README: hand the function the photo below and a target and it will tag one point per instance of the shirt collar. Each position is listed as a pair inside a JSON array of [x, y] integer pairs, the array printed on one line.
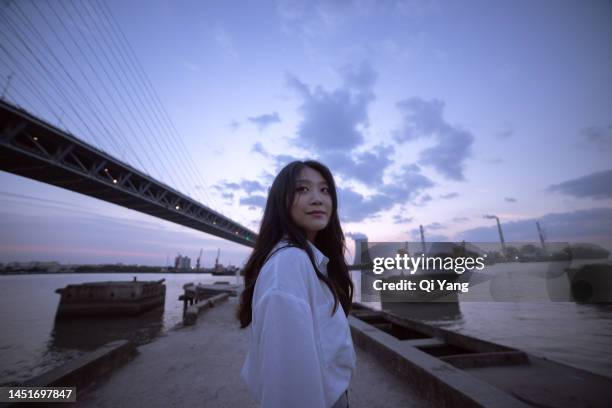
[[320, 259]]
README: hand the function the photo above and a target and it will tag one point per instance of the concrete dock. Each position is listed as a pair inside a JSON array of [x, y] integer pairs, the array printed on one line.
[[200, 366]]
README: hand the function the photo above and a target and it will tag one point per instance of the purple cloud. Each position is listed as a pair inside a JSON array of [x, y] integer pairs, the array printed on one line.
[[596, 185]]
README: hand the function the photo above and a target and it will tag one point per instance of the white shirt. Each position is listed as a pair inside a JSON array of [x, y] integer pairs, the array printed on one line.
[[299, 355]]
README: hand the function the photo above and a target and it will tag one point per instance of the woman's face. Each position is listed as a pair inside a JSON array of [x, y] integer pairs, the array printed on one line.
[[312, 205]]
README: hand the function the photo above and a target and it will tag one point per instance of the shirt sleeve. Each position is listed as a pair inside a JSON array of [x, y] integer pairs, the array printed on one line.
[[290, 367]]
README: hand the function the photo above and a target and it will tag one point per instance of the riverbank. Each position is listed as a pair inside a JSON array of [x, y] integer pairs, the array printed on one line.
[[33, 343], [200, 366]]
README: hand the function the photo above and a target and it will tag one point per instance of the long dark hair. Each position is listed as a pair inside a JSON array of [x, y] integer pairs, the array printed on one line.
[[277, 223]]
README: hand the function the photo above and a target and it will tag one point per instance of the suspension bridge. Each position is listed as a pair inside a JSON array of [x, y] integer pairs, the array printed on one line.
[[31, 148], [71, 63]]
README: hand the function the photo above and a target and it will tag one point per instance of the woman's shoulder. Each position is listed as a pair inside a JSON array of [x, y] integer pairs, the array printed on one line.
[[289, 262], [287, 253], [288, 270]]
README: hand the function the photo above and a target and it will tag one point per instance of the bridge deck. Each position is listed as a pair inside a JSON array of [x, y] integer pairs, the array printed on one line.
[[32, 148]]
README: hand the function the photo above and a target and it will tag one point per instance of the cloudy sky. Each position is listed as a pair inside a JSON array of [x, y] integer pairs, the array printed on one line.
[[427, 112]]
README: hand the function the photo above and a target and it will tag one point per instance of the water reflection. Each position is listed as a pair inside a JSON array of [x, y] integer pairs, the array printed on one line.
[[438, 311], [89, 333]]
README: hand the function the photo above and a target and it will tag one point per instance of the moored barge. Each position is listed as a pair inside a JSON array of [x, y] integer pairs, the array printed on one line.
[[111, 298]]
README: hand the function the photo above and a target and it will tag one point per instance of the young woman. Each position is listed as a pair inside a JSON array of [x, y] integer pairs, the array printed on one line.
[[297, 296]]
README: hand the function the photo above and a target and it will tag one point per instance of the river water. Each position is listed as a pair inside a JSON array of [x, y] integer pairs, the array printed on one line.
[[32, 342], [511, 305]]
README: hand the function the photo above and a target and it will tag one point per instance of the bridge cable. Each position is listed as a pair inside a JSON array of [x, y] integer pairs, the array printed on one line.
[[123, 50], [69, 80], [110, 116], [163, 176], [125, 88], [149, 87], [105, 88], [25, 39], [79, 91], [15, 102], [31, 88], [116, 49], [22, 69]]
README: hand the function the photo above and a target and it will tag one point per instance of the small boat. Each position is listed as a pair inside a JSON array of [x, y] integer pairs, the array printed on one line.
[[221, 270], [226, 271], [111, 298]]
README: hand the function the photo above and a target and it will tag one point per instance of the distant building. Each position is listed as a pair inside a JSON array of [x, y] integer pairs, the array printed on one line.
[[182, 262], [34, 266], [51, 267]]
